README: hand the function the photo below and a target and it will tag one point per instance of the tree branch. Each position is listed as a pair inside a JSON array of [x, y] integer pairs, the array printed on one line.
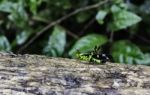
[[59, 21], [41, 75]]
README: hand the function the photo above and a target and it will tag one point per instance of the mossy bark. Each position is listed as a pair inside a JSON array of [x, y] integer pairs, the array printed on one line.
[[41, 75]]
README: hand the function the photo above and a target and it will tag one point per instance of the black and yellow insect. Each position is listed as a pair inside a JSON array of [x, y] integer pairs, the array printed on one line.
[[95, 56]]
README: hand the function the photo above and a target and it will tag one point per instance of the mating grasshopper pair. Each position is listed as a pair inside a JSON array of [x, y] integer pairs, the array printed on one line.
[[95, 56]]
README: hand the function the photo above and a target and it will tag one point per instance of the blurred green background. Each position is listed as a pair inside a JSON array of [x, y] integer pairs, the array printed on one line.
[[59, 27]]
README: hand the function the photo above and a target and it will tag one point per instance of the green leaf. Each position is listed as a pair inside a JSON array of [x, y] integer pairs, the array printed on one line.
[[126, 52], [87, 43], [145, 60], [115, 8], [33, 4], [4, 44], [6, 6], [22, 37], [18, 14], [56, 43], [100, 16], [122, 20]]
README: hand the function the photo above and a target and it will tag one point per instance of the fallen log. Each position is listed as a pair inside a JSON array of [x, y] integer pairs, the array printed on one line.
[[41, 75]]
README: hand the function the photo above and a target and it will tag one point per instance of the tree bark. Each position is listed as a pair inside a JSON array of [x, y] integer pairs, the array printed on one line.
[[41, 75]]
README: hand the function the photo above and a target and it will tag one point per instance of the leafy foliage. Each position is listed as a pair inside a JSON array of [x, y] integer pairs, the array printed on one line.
[[126, 53], [56, 42], [100, 16], [123, 19], [129, 54], [4, 44], [145, 59], [22, 37], [21, 21]]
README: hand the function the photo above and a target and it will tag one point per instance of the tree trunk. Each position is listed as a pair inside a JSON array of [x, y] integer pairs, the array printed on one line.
[[40, 75]]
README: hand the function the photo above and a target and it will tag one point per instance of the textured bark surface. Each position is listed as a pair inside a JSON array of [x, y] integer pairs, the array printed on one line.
[[40, 75]]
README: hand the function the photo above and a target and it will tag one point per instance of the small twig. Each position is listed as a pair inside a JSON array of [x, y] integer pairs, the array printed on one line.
[[72, 34], [60, 20]]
